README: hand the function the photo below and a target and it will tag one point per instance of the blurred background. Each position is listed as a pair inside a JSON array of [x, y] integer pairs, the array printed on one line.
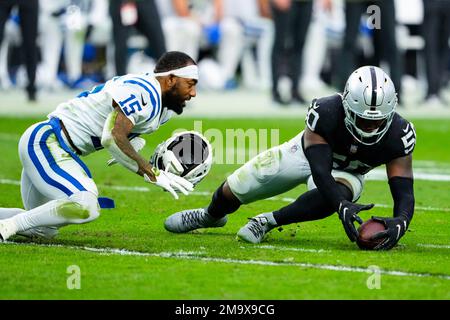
[[255, 57]]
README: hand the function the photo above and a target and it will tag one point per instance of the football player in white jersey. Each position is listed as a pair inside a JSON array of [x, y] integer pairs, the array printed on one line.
[[56, 186]]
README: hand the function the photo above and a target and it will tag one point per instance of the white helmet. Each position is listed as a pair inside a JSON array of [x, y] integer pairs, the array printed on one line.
[[187, 154], [369, 102]]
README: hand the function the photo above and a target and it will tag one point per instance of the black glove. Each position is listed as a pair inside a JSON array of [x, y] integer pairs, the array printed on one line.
[[348, 213], [395, 229]]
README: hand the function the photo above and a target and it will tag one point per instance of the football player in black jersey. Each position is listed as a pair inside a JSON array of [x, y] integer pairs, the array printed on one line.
[[346, 136]]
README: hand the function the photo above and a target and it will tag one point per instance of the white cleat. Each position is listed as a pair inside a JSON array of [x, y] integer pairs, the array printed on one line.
[[8, 228], [256, 229], [188, 220]]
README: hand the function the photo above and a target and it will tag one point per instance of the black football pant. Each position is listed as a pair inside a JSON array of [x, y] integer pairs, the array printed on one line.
[[28, 15], [436, 32], [291, 28]]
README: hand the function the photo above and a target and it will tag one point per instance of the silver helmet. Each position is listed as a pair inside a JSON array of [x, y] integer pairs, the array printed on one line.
[[369, 102]]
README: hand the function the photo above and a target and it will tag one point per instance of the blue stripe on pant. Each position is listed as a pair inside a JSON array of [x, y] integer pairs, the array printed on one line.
[[34, 158], [54, 165]]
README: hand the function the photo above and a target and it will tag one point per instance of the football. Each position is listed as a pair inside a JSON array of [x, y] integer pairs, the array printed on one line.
[[366, 231]]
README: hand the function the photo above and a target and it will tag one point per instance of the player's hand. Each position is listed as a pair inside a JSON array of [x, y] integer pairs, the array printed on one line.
[[170, 182], [138, 144], [395, 229], [348, 213]]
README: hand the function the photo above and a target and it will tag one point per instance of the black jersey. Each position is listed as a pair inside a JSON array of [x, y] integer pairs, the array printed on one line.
[[326, 118]]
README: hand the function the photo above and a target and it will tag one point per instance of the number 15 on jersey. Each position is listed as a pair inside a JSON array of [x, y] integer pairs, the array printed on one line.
[[130, 104]]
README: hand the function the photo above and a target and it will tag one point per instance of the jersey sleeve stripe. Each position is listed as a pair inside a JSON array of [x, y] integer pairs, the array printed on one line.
[[153, 93], [156, 93], [152, 98]]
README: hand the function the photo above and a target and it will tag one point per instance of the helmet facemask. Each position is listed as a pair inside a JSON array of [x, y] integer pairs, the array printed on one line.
[[353, 123]]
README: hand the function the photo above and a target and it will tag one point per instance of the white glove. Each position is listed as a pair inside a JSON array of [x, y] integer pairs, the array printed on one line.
[[171, 182], [138, 144]]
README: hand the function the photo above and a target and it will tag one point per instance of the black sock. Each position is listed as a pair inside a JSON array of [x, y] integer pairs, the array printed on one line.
[[309, 206], [220, 206]]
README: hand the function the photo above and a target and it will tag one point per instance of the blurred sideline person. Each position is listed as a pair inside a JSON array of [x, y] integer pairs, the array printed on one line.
[[385, 40], [316, 46], [244, 24], [182, 28], [436, 32], [76, 21], [346, 136], [51, 41], [291, 19], [99, 33], [11, 37], [57, 187], [67, 22], [28, 17], [142, 14]]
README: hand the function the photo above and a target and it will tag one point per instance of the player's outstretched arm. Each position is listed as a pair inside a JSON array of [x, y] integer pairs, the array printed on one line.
[[400, 175], [320, 158]]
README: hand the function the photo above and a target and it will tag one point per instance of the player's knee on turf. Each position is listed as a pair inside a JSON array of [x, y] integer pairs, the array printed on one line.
[[80, 207]]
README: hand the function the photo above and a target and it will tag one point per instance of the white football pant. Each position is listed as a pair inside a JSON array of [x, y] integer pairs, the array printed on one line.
[[55, 189]]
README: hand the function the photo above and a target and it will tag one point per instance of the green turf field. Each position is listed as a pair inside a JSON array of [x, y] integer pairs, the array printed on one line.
[[127, 254]]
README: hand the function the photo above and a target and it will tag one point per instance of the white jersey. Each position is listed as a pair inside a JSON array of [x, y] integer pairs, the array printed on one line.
[[244, 10], [203, 10], [139, 97]]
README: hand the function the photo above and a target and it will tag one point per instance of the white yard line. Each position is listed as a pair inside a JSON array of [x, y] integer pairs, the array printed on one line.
[[126, 188], [435, 246], [9, 181], [208, 193], [431, 164], [380, 175], [420, 208], [110, 251], [192, 255], [268, 247], [124, 252]]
